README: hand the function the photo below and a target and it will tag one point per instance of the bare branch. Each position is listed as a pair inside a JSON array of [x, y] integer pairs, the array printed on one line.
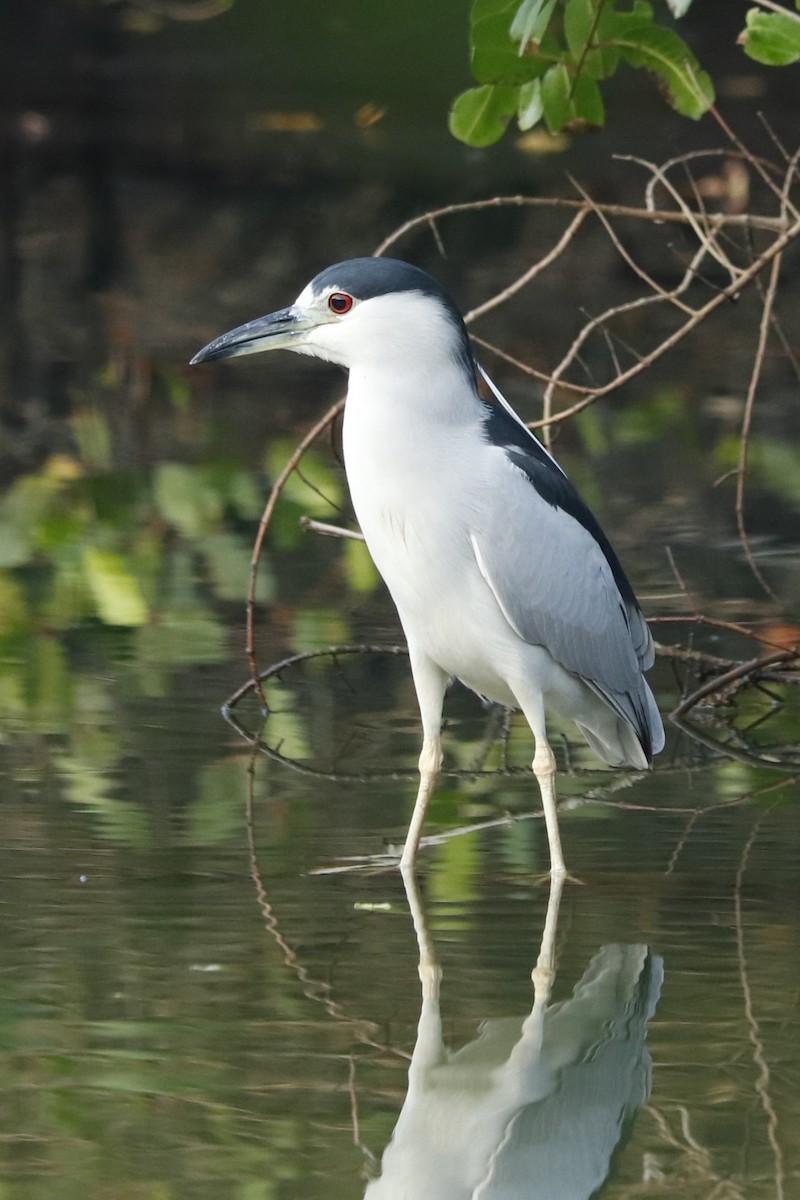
[[532, 272], [319, 427]]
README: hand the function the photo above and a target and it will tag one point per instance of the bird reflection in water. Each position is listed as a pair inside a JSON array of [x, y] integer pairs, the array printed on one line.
[[535, 1106]]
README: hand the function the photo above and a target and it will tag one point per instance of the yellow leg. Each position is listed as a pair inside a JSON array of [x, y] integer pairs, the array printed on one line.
[[430, 764], [430, 682], [544, 768]]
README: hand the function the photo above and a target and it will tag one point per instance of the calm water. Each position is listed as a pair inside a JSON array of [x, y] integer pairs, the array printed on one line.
[[194, 1003], [210, 984]]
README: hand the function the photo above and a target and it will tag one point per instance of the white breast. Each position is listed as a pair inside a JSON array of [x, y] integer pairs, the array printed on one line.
[[418, 488]]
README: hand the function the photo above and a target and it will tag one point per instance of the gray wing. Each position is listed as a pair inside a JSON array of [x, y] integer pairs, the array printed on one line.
[[560, 585]]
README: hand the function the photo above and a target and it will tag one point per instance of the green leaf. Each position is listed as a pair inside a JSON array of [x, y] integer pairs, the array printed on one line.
[[687, 88], [587, 102], [495, 57], [115, 590], [777, 465], [531, 108], [571, 103], [583, 33], [479, 116], [556, 87], [93, 437], [579, 25], [615, 23], [531, 21], [22, 510], [771, 38]]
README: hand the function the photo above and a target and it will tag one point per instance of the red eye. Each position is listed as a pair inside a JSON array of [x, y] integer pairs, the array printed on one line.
[[340, 303]]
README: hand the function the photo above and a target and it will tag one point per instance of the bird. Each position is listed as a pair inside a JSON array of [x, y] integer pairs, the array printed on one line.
[[501, 576]]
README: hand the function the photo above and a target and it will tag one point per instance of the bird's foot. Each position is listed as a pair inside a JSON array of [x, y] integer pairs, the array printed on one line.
[[550, 876], [366, 864]]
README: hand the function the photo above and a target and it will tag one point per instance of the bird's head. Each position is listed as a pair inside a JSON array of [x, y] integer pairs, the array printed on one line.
[[366, 311]]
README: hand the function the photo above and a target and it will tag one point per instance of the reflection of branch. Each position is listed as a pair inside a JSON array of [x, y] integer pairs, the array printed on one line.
[[741, 673], [753, 1032], [317, 990], [744, 798], [735, 753], [695, 1170]]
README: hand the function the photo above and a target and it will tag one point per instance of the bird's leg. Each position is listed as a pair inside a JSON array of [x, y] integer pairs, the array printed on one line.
[[430, 683], [544, 768], [430, 763]]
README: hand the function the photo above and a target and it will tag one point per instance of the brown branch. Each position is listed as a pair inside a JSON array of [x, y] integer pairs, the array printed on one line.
[[526, 369], [755, 163], [526, 277], [742, 670], [679, 334], [744, 437], [658, 216], [317, 990], [755, 376], [702, 224], [308, 440]]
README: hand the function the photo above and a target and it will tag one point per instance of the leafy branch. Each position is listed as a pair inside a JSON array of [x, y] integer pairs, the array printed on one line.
[[543, 61]]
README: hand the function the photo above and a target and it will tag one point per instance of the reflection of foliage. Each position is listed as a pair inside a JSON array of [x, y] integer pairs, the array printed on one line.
[[114, 582]]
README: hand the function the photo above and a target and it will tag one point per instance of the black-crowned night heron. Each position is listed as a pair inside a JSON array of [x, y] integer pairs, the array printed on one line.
[[501, 576]]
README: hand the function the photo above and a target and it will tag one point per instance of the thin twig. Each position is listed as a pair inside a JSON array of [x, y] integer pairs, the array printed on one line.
[[679, 334], [741, 671], [306, 441], [755, 376], [525, 278], [658, 216], [334, 531], [744, 435]]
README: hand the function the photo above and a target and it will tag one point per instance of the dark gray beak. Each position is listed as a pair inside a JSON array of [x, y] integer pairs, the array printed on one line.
[[280, 330]]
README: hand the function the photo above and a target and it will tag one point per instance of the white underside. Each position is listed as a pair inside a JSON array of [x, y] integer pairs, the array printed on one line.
[[421, 490]]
